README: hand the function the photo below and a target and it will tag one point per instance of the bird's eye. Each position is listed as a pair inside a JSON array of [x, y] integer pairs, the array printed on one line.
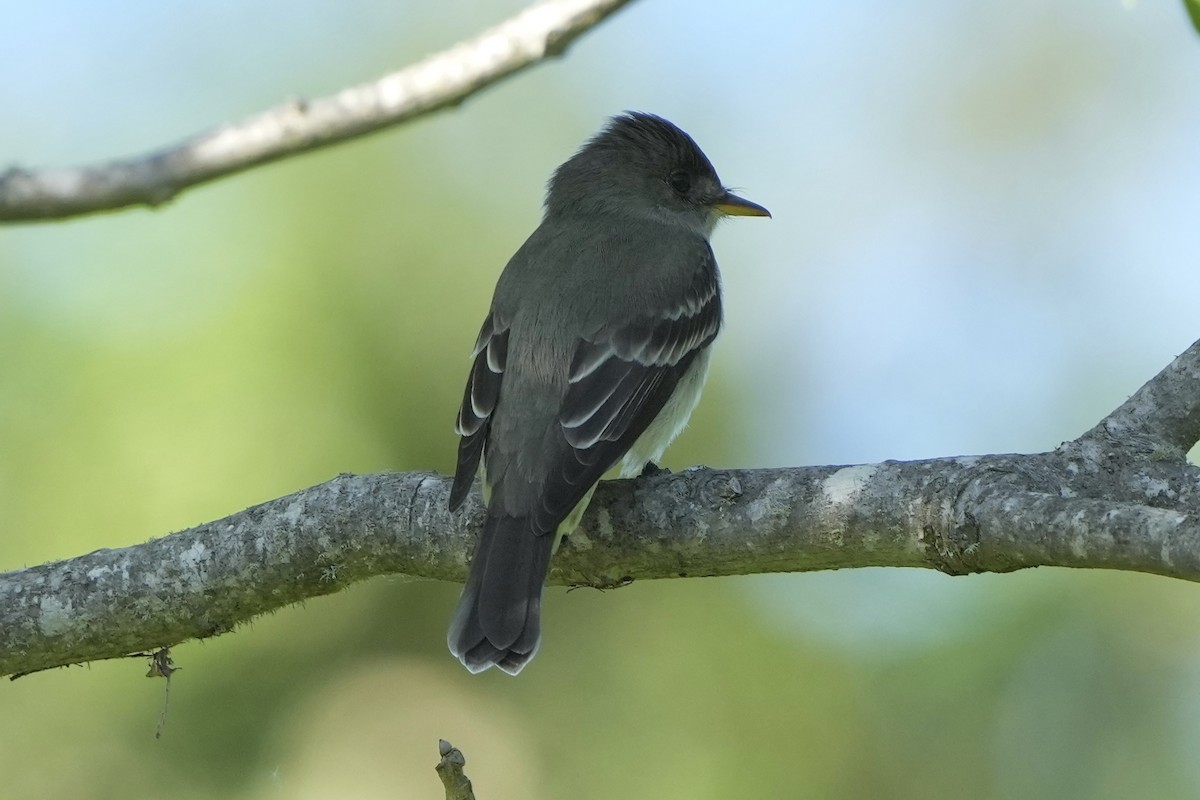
[[680, 181]]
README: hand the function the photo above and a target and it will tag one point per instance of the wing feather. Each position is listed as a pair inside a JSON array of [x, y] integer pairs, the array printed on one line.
[[480, 397], [620, 379]]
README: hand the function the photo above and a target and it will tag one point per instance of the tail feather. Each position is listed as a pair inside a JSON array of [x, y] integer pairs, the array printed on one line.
[[498, 618]]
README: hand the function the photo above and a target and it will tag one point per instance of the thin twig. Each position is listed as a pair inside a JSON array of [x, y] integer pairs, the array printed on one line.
[[450, 770], [542, 30]]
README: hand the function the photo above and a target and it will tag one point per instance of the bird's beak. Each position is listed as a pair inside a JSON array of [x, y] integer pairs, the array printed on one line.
[[733, 206]]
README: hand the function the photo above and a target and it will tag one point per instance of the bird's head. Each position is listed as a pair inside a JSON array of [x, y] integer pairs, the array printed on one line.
[[644, 166]]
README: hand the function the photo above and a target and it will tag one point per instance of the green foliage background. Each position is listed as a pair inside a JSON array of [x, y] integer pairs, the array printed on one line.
[[159, 369]]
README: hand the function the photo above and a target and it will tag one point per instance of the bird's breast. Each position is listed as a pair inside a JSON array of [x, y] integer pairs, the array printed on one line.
[[671, 421]]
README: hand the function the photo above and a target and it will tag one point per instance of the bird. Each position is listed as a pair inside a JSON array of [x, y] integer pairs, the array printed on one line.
[[590, 360]]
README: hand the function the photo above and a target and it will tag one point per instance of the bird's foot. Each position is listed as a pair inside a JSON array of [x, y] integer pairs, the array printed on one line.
[[602, 584], [651, 470]]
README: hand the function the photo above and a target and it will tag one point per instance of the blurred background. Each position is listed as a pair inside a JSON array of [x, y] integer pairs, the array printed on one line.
[[986, 236]]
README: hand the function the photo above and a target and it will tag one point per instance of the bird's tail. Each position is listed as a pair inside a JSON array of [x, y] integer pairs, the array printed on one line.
[[498, 618]]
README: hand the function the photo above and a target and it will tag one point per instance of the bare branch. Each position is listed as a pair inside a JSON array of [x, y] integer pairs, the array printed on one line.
[[450, 770], [1165, 413], [1089, 504], [542, 30], [1041, 529]]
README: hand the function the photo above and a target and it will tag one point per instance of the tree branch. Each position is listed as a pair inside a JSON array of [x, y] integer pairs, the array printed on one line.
[[1165, 413], [1131, 503], [450, 770], [542, 30]]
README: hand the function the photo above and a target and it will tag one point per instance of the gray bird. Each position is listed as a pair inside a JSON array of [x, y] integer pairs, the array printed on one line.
[[592, 356]]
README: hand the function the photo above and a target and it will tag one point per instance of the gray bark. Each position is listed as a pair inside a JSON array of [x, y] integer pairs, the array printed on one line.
[[1121, 496]]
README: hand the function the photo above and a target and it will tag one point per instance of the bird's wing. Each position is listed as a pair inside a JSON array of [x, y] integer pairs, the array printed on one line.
[[479, 401], [620, 379]]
